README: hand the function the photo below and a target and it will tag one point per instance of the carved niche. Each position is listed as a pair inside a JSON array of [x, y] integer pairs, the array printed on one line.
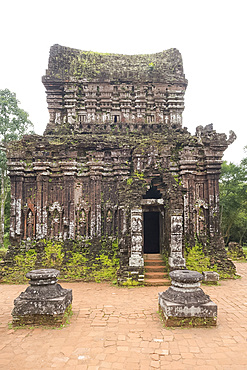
[[55, 220], [29, 221], [83, 220]]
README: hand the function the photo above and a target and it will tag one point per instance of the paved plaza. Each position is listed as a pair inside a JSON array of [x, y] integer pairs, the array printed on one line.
[[120, 328]]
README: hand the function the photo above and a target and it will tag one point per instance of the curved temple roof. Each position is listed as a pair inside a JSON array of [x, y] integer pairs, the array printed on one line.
[[73, 64]]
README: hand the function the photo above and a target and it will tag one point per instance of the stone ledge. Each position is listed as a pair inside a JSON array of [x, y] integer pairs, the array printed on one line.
[[185, 303], [210, 277], [42, 320], [188, 322]]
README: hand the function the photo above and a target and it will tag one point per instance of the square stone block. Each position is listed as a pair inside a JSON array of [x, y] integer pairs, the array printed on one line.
[[176, 224], [136, 261], [175, 314], [176, 262], [210, 276], [176, 243]]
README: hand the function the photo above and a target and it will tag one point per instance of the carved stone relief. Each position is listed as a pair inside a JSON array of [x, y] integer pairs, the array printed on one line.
[[136, 258], [176, 259]]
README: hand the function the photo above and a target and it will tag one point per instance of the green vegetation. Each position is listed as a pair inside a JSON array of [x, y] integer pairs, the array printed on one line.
[[237, 255], [139, 175], [196, 260], [233, 202], [151, 66], [53, 254], [14, 123], [77, 261], [130, 283], [90, 65], [23, 263], [3, 252]]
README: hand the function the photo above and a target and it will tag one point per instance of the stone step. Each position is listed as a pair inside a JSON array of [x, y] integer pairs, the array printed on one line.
[[155, 275], [157, 282], [155, 268], [154, 263], [153, 256]]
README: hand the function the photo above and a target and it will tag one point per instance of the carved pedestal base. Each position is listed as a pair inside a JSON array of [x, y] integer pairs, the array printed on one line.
[[185, 303], [43, 303]]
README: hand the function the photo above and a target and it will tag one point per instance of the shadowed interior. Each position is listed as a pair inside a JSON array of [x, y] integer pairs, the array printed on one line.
[[151, 232]]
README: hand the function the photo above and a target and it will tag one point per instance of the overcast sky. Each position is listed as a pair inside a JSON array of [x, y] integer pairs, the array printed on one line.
[[211, 36]]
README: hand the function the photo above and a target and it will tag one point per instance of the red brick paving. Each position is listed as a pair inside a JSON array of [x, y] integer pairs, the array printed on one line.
[[120, 328]]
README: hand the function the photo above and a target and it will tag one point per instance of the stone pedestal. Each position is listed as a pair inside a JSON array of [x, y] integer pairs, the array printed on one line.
[[185, 303], [210, 277], [44, 302], [235, 250]]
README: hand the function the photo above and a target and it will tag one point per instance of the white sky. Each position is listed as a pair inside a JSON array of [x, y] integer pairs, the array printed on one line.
[[211, 36]]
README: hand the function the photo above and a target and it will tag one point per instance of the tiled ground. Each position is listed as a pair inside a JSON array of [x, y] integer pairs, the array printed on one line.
[[119, 328]]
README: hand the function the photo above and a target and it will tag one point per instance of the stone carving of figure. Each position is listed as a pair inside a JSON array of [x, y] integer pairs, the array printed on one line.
[[55, 223], [82, 223], [136, 224], [30, 224], [201, 220], [137, 243], [109, 222]]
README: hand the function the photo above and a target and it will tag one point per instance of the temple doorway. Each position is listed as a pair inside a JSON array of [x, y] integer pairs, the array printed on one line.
[[151, 232]]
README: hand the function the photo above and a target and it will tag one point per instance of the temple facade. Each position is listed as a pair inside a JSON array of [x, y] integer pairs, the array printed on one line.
[[116, 162]]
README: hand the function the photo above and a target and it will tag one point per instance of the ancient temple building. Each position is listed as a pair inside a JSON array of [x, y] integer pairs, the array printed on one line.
[[115, 160]]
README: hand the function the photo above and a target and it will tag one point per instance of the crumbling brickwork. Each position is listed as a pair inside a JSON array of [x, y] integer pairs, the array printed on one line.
[[113, 150]]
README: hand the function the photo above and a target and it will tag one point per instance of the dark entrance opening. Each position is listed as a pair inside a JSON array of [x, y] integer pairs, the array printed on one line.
[[151, 232], [116, 119], [152, 193]]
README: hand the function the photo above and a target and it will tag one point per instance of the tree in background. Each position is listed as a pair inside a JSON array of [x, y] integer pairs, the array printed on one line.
[[14, 123], [233, 201]]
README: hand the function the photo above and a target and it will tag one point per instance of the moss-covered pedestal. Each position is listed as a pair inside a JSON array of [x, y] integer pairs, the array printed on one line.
[[185, 303], [44, 302]]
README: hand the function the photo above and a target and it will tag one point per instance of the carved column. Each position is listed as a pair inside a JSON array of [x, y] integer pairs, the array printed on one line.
[[176, 260], [96, 206], [136, 258], [39, 207], [212, 205], [45, 192], [16, 211], [175, 104], [69, 211]]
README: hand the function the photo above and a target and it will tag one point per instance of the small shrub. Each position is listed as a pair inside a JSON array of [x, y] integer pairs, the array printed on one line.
[[131, 283], [22, 265], [105, 268], [77, 267], [196, 259], [3, 252], [53, 254]]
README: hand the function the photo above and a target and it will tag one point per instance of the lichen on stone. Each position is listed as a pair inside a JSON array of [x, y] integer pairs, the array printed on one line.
[[66, 63]]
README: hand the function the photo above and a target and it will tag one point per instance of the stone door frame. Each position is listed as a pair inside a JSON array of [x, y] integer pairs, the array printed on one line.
[[137, 229], [176, 259]]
